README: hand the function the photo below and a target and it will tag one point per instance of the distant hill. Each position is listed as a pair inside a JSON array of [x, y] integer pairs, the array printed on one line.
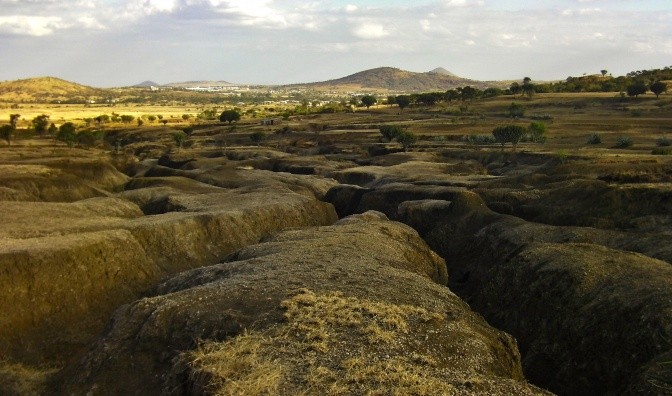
[[202, 84], [146, 84], [398, 80], [47, 89], [441, 70]]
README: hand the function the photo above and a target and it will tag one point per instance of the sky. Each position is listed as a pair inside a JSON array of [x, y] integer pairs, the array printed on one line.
[[107, 43]]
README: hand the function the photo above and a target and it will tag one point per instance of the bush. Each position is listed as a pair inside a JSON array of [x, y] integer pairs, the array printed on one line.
[[66, 133], [179, 137], [663, 142], [257, 137], [624, 141], [508, 134], [516, 110], [89, 138], [661, 151], [390, 132], [537, 132], [406, 139], [594, 139], [479, 139]]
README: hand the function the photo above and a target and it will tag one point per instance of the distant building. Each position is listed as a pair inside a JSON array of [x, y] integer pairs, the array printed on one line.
[[270, 121]]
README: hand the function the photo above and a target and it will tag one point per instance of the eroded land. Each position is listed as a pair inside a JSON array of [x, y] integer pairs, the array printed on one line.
[[321, 260]]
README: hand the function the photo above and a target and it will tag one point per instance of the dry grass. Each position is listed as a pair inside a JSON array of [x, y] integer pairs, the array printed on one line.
[[329, 345], [17, 379]]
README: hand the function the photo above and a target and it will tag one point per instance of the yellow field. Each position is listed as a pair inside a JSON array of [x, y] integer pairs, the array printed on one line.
[[77, 113]]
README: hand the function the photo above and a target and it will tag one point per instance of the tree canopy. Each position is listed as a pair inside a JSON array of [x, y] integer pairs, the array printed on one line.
[[658, 87], [229, 116], [369, 100], [41, 123], [508, 134]]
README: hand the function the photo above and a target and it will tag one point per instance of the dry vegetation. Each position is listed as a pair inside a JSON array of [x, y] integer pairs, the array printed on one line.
[[332, 345]]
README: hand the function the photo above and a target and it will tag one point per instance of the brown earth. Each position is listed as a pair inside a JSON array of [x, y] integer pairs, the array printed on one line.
[[95, 254], [349, 308]]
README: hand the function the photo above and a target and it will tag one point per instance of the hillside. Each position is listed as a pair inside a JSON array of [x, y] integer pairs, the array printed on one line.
[[394, 79], [47, 89]]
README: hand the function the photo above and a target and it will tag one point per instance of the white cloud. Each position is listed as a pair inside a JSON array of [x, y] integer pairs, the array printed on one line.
[[30, 25], [351, 8], [370, 30]]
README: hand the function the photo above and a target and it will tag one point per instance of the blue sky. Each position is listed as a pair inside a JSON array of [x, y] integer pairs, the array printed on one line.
[[122, 42]]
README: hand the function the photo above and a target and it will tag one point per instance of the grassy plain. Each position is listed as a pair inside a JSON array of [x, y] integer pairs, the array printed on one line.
[[569, 117]]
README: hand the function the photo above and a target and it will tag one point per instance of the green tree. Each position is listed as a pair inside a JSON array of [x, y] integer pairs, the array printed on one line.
[[403, 101], [508, 134], [229, 116], [67, 134], [637, 88], [528, 89], [369, 100], [6, 132], [185, 116], [391, 100], [151, 118], [658, 87], [430, 98], [451, 95], [52, 129], [41, 123], [604, 72], [406, 139], [468, 93]]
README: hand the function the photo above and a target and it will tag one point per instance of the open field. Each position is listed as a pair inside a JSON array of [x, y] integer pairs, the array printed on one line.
[[312, 256]]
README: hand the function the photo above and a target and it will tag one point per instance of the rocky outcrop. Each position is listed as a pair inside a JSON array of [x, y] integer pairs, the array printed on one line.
[[358, 306], [589, 319]]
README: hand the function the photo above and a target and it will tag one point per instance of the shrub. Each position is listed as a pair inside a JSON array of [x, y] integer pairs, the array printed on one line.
[[6, 132], [662, 151], [390, 132], [624, 141], [179, 137], [594, 138], [508, 134], [537, 132], [406, 139], [663, 142], [67, 134], [479, 139], [516, 110], [89, 138], [257, 137]]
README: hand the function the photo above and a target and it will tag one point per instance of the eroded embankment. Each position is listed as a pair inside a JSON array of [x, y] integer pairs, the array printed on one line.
[[352, 308], [591, 316], [65, 267], [589, 319]]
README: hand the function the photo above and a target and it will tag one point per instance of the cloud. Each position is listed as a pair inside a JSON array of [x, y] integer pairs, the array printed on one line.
[[30, 25], [370, 30]]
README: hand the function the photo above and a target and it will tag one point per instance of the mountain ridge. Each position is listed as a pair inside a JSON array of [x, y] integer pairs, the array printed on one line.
[[399, 80]]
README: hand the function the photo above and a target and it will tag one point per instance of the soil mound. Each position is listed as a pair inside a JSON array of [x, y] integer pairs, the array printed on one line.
[[352, 307]]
